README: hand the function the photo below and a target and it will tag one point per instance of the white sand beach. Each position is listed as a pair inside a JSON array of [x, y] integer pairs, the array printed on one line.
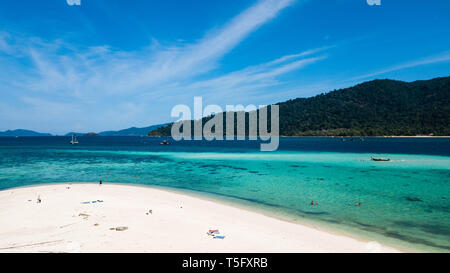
[[178, 223]]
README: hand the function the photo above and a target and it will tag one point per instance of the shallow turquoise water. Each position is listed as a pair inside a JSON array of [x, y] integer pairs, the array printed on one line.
[[405, 202]]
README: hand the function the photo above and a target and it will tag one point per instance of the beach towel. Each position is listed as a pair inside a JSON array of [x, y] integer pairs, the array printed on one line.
[[93, 202], [219, 237]]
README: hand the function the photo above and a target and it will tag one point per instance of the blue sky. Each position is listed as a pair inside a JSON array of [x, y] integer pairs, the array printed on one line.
[[113, 64]]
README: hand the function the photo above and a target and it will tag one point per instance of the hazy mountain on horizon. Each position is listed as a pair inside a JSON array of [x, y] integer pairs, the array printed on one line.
[[133, 131], [22, 132], [74, 134]]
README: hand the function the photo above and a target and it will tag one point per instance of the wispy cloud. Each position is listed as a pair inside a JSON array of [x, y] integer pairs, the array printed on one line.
[[443, 57], [256, 77], [245, 85], [73, 2], [4, 46], [97, 68], [90, 76]]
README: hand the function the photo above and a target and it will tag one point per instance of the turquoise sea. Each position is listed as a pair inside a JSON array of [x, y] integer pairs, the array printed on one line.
[[404, 202]]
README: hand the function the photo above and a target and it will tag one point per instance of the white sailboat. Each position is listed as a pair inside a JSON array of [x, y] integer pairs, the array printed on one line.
[[74, 141]]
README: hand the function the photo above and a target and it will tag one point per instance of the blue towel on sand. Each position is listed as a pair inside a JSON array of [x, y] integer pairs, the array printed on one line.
[[99, 201]]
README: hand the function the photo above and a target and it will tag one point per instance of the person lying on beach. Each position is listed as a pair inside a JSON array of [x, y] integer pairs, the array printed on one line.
[[212, 232]]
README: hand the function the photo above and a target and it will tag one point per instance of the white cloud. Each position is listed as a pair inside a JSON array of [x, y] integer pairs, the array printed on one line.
[[247, 85], [118, 72], [443, 57], [85, 72], [73, 2], [259, 76], [97, 79]]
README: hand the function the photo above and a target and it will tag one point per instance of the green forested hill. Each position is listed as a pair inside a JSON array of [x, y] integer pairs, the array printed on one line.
[[375, 108]]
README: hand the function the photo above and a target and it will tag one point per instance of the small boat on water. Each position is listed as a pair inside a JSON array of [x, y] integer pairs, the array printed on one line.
[[74, 140], [380, 159], [165, 142]]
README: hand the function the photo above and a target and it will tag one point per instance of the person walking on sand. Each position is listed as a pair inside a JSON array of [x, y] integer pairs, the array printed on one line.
[[100, 182], [39, 199]]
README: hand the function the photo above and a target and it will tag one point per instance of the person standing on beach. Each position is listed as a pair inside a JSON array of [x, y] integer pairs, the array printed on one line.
[[39, 199], [100, 182]]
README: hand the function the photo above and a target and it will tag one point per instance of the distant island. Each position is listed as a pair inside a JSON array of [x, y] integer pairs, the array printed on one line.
[[21, 132], [91, 134], [133, 131], [374, 108]]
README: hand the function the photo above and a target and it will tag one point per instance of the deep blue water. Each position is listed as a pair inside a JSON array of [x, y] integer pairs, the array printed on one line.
[[425, 146]]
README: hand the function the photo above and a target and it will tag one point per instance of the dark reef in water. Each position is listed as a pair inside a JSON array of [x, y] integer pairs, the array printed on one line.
[[315, 213], [389, 233], [413, 199], [434, 228]]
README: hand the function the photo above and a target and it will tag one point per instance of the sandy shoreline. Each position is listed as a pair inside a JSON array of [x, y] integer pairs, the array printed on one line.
[[178, 223]]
